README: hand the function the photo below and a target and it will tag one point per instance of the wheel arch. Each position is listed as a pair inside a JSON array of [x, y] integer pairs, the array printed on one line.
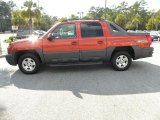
[[112, 50], [38, 53]]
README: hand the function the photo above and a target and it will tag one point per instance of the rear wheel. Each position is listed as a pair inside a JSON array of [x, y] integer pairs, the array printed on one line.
[[29, 63], [121, 61]]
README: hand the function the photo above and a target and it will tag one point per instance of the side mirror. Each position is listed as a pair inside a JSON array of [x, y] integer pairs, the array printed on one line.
[[50, 37]]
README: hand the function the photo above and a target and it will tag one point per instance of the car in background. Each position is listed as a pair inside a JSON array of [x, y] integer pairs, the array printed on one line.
[[130, 31], [21, 34], [139, 31], [39, 32], [155, 35]]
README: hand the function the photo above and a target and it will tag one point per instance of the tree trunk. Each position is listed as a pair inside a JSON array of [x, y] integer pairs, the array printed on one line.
[[30, 25], [157, 26], [137, 26]]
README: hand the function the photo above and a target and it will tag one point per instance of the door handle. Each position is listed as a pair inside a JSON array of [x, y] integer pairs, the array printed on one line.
[[74, 43], [100, 42]]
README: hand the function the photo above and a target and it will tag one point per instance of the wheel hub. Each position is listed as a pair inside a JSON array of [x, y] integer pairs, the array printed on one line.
[[122, 61], [28, 64]]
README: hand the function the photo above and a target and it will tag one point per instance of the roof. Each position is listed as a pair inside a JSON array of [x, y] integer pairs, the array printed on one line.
[[82, 20]]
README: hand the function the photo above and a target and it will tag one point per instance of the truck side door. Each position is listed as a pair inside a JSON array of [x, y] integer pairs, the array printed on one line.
[[92, 41], [63, 46]]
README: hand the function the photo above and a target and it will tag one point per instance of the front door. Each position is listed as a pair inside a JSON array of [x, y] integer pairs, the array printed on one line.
[[62, 45], [92, 41]]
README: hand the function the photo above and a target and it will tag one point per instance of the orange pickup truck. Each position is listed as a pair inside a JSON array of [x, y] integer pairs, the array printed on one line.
[[80, 42]]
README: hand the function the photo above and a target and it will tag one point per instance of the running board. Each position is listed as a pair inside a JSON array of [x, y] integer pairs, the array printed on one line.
[[74, 64]]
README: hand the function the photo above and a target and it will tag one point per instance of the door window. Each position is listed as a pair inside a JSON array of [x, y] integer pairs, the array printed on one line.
[[64, 31], [91, 30]]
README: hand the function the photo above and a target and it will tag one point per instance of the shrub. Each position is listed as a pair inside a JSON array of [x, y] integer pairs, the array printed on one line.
[[10, 39]]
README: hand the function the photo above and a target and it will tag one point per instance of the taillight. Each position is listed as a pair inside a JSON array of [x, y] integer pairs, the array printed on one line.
[[149, 38]]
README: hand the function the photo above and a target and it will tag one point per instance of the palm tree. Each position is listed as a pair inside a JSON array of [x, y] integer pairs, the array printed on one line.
[[120, 19], [37, 17], [157, 19], [17, 18], [156, 22], [30, 11], [136, 20]]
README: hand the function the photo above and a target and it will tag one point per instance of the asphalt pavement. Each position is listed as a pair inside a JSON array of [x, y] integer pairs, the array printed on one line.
[[94, 92]]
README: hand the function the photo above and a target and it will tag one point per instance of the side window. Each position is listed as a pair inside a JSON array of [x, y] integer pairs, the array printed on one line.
[[64, 31], [91, 30], [113, 28]]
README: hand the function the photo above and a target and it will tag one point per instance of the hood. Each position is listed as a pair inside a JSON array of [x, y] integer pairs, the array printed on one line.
[[26, 40]]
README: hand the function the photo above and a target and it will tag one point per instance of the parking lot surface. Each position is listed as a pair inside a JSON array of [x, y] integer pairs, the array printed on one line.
[[94, 92]]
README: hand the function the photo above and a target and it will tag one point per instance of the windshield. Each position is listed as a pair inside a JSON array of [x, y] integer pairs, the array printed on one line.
[[49, 30]]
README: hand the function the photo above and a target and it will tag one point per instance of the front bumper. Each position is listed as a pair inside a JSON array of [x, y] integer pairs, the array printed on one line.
[[143, 52], [11, 59]]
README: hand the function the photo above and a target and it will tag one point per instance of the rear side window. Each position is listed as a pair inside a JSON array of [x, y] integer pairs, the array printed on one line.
[[91, 29], [116, 30], [113, 28]]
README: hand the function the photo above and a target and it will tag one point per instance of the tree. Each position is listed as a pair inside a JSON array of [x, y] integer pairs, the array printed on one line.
[[30, 11], [12, 5], [95, 12], [150, 24], [5, 16], [86, 17], [106, 17], [62, 19], [46, 22], [123, 7], [136, 11], [73, 17], [37, 18], [55, 18], [129, 26], [135, 16], [136, 20], [17, 19], [33, 17], [156, 22], [157, 19], [120, 19]]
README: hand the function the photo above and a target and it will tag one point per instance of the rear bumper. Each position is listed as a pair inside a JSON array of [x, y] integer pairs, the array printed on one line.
[[143, 52], [11, 59]]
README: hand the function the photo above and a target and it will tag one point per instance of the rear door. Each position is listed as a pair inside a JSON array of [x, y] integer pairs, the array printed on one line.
[[92, 41]]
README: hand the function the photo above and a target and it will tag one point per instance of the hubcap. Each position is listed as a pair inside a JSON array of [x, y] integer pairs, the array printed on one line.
[[122, 61], [28, 64]]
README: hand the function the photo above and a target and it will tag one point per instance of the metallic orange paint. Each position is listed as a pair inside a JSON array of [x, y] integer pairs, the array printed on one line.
[[66, 45]]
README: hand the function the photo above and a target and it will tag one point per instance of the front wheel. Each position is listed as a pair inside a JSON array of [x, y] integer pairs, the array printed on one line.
[[29, 63], [121, 61]]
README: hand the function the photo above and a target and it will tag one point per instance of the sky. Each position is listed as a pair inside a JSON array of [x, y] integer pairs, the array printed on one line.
[[63, 8]]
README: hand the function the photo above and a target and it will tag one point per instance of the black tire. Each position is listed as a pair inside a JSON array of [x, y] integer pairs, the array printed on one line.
[[117, 56], [33, 58]]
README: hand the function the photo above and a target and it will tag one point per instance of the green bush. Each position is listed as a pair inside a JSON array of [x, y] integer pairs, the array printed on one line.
[[10, 39]]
